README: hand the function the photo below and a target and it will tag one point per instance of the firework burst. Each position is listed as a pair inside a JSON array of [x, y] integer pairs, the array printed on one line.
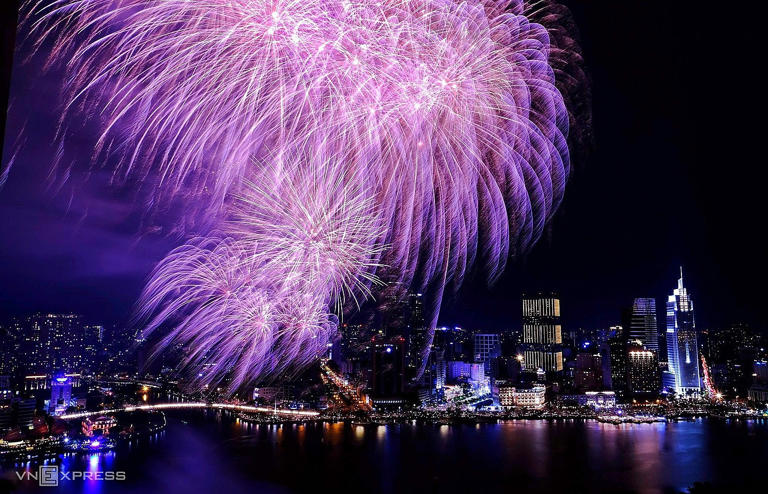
[[322, 139]]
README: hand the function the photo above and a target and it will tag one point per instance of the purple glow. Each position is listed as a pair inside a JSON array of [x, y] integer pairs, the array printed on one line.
[[319, 142]]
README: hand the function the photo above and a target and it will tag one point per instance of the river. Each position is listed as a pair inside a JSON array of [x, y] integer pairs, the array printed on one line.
[[212, 452]]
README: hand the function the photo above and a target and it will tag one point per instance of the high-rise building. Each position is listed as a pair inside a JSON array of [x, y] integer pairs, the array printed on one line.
[[642, 370], [10, 349], [439, 370], [542, 332], [643, 325], [682, 346], [416, 333], [487, 349], [617, 348], [54, 341]]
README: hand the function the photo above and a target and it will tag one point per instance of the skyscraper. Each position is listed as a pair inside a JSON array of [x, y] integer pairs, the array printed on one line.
[[682, 347], [642, 370], [617, 348], [53, 342], [643, 324], [415, 333], [488, 348], [542, 332]]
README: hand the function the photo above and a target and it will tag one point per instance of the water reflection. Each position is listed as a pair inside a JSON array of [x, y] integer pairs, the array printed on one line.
[[215, 454]]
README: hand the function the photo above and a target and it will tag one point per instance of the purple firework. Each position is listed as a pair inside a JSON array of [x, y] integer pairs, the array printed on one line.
[[323, 139]]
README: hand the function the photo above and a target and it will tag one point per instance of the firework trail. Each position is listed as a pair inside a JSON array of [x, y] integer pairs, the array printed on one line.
[[321, 140]]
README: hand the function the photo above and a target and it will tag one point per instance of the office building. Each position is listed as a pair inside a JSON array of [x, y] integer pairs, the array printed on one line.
[[57, 341], [643, 325], [487, 350], [542, 333], [617, 348], [682, 345], [642, 371]]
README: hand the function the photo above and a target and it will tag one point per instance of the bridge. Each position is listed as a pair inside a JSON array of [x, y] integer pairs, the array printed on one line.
[[193, 405], [128, 382]]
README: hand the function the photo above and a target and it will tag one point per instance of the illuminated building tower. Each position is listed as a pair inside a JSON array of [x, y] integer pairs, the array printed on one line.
[[440, 369], [10, 347], [61, 394], [415, 332], [682, 347], [642, 370], [617, 348], [93, 344], [53, 341], [542, 333], [643, 325], [487, 350]]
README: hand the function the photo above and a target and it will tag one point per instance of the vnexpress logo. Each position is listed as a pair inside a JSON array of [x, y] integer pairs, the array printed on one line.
[[48, 476]]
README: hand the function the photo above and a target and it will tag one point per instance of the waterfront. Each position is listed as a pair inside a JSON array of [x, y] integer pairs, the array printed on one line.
[[212, 451]]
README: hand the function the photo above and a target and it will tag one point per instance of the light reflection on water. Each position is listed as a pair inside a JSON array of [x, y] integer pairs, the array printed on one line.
[[216, 454]]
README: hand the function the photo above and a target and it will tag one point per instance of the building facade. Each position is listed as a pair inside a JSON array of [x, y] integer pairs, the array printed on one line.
[[487, 350], [61, 395], [542, 333], [617, 349], [682, 344], [533, 397], [642, 370], [594, 399], [643, 326]]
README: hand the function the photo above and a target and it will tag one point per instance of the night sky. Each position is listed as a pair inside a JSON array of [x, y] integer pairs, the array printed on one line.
[[677, 177]]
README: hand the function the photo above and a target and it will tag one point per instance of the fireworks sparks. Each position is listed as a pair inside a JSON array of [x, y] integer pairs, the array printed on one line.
[[323, 139]]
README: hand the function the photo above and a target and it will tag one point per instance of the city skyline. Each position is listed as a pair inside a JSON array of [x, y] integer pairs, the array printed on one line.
[[39, 348]]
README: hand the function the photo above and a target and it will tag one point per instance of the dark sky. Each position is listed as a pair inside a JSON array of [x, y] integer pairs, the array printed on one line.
[[677, 177]]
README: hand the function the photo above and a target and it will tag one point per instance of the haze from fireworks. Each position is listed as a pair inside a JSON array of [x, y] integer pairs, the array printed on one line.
[[315, 145]]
